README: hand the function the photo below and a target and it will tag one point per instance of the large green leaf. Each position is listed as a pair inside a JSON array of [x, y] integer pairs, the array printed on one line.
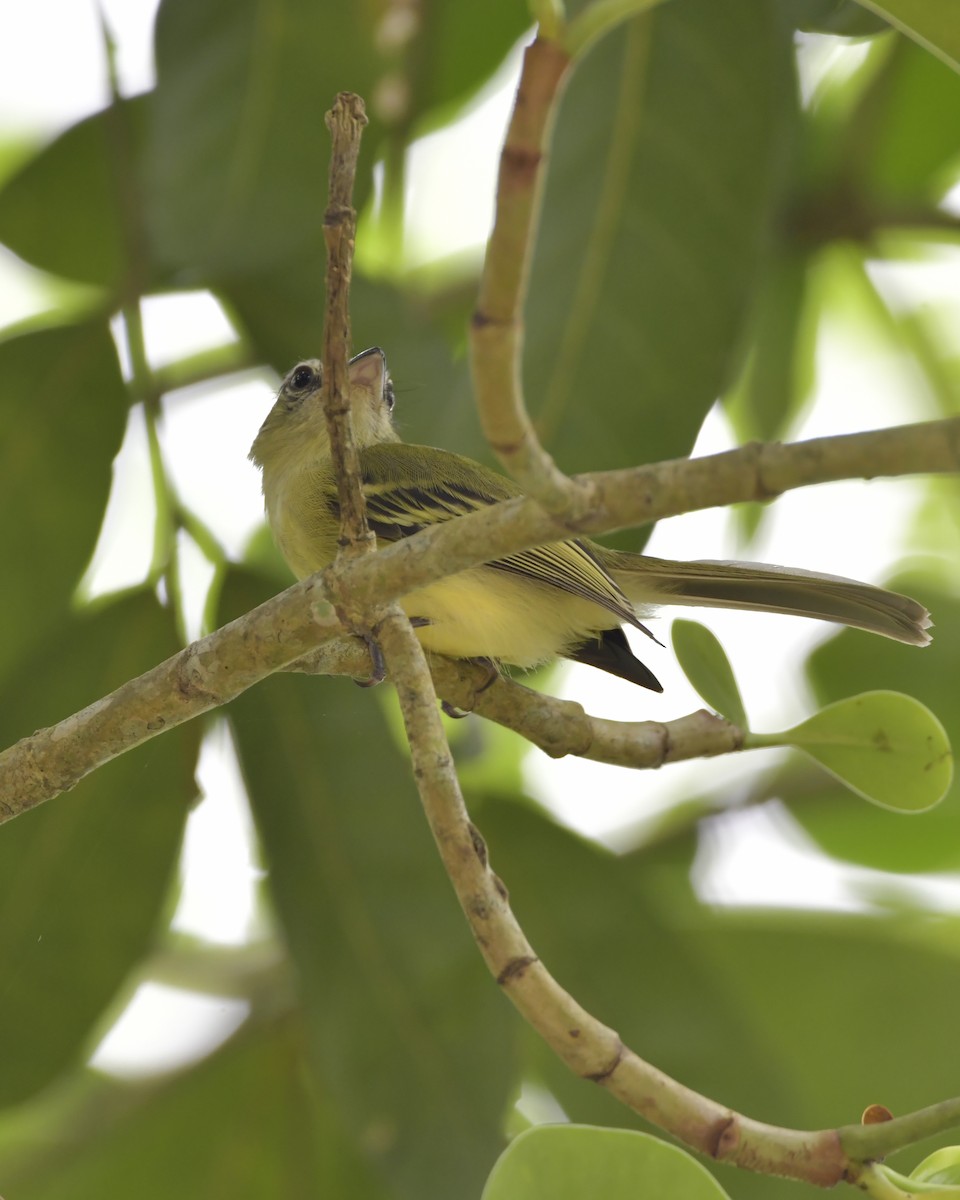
[[245, 1124], [411, 1037], [239, 150], [903, 155], [84, 879], [662, 182], [452, 53], [854, 1010], [63, 409], [778, 1014], [73, 209], [604, 927], [840, 17], [568, 1162], [931, 23], [779, 372], [282, 314]]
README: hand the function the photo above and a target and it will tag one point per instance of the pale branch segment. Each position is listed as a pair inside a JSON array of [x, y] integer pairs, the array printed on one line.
[[588, 1047], [496, 337], [225, 663], [557, 727], [345, 121], [636, 496], [204, 675]]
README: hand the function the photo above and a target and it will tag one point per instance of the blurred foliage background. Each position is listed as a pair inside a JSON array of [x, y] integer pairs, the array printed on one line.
[[708, 209]]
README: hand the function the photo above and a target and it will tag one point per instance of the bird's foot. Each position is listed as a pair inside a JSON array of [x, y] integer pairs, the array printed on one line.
[[379, 671]]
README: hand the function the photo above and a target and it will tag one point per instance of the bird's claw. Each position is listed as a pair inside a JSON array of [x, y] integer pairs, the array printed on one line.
[[379, 672]]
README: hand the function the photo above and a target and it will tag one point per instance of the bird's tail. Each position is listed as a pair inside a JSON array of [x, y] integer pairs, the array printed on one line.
[[654, 581]]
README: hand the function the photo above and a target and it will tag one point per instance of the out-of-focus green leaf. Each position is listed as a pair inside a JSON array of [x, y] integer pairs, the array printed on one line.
[[85, 878], [931, 23], [245, 1124], [844, 18], [842, 986], [63, 408], [866, 834], [239, 151], [884, 745], [903, 154], [452, 53], [282, 313], [779, 372], [411, 1038], [706, 665], [569, 1162], [663, 177], [603, 925], [73, 208]]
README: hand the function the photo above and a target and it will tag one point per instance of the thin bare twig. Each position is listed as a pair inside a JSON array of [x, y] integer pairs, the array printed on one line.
[[345, 121], [222, 665], [496, 338]]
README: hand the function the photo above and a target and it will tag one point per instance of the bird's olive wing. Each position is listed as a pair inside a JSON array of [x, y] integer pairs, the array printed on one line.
[[407, 491]]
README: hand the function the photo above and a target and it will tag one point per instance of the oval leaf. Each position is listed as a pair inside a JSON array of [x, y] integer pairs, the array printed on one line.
[[567, 1162], [886, 746], [706, 665]]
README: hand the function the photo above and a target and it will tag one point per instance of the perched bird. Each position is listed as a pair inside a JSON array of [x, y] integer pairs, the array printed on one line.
[[567, 599]]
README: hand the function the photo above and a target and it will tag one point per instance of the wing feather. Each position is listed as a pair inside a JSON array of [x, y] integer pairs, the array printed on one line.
[[402, 500]]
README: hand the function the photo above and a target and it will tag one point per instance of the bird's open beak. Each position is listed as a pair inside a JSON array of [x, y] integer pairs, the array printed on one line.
[[367, 369]]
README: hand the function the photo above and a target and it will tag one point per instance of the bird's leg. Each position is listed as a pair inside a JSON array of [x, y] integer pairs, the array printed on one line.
[[379, 672], [459, 713]]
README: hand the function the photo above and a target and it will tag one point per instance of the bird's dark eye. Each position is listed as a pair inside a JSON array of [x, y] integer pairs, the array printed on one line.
[[389, 396], [303, 377]]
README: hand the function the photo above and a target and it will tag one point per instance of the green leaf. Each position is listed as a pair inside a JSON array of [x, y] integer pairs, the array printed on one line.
[[411, 1038], [606, 927], [656, 209], [904, 156], [870, 835], [931, 23], [844, 18], [884, 745], [841, 986], [282, 314], [244, 1123], [239, 151], [706, 665], [63, 409], [942, 1166], [568, 1162], [452, 54], [85, 879], [95, 163], [779, 373]]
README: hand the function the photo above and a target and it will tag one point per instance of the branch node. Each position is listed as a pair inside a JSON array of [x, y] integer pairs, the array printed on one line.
[[723, 1138], [516, 968], [479, 845], [604, 1074]]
